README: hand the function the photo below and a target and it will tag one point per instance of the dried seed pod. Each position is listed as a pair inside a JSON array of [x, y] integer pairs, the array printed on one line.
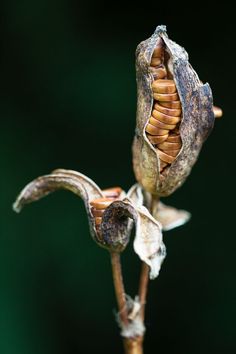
[[174, 115], [111, 214]]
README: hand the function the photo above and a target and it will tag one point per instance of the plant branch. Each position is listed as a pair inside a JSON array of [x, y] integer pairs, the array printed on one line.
[[133, 345], [143, 288], [119, 287]]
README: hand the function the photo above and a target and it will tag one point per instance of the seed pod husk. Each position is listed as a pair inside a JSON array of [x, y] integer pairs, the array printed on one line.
[[111, 214], [196, 123]]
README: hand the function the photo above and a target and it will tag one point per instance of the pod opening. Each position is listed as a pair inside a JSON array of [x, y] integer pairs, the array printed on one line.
[[98, 206], [162, 129]]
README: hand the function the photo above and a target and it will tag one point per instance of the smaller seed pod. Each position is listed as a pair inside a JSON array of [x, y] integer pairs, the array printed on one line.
[[174, 115], [111, 212]]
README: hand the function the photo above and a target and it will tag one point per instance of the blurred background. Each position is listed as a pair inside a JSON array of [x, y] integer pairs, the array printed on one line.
[[68, 99]]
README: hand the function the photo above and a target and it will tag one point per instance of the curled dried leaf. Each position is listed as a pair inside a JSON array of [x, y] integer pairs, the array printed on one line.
[[148, 242], [174, 115], [170, 217], [135, 194]]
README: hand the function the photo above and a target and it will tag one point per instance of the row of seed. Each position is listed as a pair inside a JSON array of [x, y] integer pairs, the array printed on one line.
[[162, 128], [99, 205]]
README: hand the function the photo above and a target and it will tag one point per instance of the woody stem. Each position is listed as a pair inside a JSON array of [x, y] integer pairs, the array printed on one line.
[[132, 345], [143, 288], [119, 287]]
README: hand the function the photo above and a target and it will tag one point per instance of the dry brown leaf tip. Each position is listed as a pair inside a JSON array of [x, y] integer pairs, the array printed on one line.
[[170, 217]]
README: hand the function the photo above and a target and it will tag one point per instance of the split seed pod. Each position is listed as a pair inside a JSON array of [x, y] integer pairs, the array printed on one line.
[[174, 115], [111, 214]]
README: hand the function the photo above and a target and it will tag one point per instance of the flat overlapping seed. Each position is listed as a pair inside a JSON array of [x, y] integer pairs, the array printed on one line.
[[112, 192], [175, 112], [171, 104], [164, 118], [163, 86], [163, 125], [99, 205]]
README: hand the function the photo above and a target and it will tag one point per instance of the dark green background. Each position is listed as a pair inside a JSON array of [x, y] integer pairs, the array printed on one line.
[[68, 99]]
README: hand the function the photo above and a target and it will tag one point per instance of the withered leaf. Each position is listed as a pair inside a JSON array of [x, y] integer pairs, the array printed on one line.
[[135, 194], [170, 217]]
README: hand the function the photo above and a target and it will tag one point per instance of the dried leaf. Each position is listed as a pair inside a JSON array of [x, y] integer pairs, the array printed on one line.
[[170, 217], [135, 194], [148, 242]]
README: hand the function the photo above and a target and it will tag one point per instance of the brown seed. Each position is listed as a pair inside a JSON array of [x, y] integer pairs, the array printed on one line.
[[163, 97], [159, 124], [157, 139], [168, 111], [101, 203], [158, 73], [171, 152], [98, 221], [156, 61], [97, 212], [163, 86], [166, 145], [112, 192], [99, 235], [151, 129], [165, 118], [171, 104], [164, 157], [175, 138], [162, 165]]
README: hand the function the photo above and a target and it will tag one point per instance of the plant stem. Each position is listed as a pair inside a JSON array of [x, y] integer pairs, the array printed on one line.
[[143, 287], [133, 345], [119, 287]]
